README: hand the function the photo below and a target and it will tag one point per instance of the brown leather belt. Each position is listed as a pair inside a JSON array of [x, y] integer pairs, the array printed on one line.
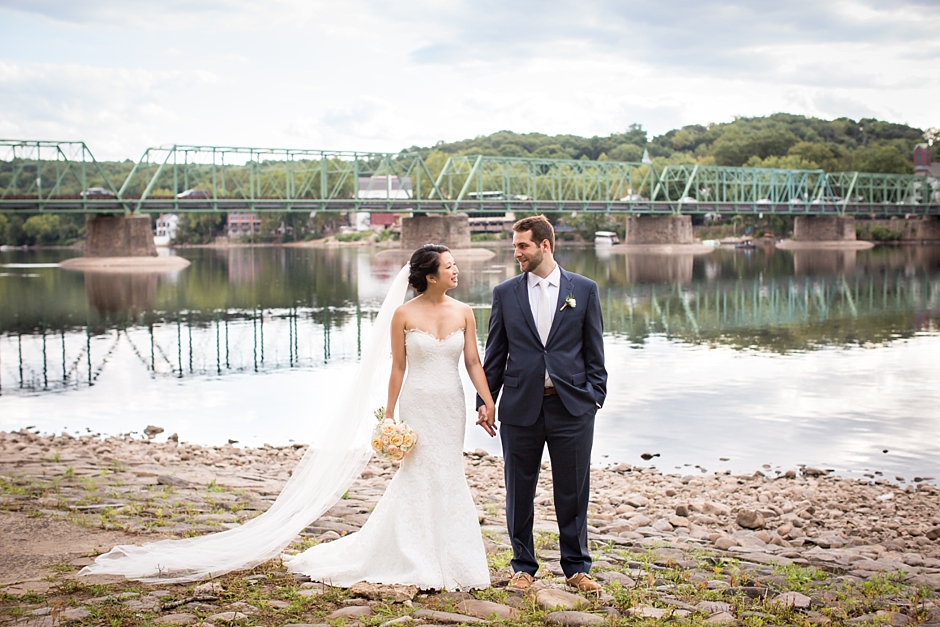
[[551, 391]]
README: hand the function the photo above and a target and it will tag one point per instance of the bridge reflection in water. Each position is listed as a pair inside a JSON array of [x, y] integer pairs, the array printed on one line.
[[771, 301], [177, 344]]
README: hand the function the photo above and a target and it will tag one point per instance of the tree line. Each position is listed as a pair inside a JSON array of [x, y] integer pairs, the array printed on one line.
[[781, 140]]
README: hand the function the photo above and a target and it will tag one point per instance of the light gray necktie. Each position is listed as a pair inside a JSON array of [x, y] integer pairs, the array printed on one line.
[[544, 322]]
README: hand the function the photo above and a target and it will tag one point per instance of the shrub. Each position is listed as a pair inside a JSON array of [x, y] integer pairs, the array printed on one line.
[[354, 237]]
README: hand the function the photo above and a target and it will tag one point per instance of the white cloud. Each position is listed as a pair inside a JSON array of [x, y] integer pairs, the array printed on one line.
[[383, 76]]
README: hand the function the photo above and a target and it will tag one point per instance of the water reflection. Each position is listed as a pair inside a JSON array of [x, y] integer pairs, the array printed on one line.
[[697, 347], [824, 261], [129, 295], [653, 268]]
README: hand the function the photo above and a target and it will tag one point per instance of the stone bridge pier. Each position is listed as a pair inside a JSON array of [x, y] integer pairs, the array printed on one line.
[[119, 236], [646, 229], [824, 229], [451, 230]]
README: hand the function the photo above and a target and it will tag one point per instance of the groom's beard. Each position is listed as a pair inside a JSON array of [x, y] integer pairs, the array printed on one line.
[[531, 262]]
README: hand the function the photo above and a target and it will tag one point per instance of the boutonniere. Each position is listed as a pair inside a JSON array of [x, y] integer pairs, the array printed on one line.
[[569, 302]]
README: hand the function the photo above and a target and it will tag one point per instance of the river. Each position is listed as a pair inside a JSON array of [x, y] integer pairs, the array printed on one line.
[[734, 360]]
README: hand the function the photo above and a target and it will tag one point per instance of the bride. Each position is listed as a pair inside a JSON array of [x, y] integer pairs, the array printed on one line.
[[424, 529]]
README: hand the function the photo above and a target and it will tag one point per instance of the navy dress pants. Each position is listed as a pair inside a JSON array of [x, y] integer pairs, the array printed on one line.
[[569, 442]]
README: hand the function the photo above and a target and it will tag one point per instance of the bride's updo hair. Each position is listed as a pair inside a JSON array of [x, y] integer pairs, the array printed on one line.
[[424, 261]]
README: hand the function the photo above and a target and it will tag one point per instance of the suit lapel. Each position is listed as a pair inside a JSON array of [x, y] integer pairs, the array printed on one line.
[[564, 289], [522, 294]]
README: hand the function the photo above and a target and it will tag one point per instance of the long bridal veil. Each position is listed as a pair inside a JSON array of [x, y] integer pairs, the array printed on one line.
[[333, 461]]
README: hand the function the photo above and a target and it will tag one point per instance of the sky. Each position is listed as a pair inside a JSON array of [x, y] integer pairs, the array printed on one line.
[[123, 75]]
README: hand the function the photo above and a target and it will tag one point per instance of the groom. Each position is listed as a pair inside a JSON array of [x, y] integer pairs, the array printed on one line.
[[545, 351]]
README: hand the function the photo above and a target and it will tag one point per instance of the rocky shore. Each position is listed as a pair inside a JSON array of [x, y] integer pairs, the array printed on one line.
[[801, 548]]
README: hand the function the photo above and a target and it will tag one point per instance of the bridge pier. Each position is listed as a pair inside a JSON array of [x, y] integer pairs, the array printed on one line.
[[924, 230], [119, 236], [927, 229], [824, 229], [671, 229], [451, 230]]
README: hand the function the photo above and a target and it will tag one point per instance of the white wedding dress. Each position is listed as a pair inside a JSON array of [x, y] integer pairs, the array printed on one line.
[[424, 530]]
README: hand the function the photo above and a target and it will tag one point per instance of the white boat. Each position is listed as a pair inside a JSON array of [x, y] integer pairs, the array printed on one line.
[[605, 238]]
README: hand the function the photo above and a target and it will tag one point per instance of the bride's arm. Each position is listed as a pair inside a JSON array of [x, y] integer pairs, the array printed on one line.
[[471, 357], [398, 362]]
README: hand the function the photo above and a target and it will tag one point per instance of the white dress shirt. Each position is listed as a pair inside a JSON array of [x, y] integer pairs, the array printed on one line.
[[554, 284]]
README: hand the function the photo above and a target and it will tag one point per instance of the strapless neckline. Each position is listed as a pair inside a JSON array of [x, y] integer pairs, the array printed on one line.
[[431, 335]]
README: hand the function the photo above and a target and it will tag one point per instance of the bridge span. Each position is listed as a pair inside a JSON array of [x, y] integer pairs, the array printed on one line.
[[65, 177]]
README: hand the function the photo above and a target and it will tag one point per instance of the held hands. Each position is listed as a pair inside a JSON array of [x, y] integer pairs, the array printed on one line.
[[487, 418]]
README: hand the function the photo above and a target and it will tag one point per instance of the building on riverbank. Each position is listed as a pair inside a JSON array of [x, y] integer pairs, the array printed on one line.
[[239, 224], [165, 229], [380, 188]]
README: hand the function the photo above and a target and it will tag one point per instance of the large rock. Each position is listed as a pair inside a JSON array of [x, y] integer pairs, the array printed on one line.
[[930, 580], [792, 599], [352, 611], [713, 607], [486, 609], [176, 619], [552, 598], [612, 576], [381, 592], [448, 618], [227, 617], [572, 619], [722, 618], [750, 519], [648, 611]]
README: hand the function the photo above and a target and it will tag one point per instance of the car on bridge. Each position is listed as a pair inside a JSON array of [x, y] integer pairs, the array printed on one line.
[[98, 192], [193, 194]]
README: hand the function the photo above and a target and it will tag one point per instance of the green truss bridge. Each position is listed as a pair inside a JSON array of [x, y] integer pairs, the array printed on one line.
[[64, 177]]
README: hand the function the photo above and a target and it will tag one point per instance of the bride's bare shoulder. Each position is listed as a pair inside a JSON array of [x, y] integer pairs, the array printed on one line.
[[458, 304]]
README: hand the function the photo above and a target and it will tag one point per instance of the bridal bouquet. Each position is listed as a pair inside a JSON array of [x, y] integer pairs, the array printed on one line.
[[392, 440]]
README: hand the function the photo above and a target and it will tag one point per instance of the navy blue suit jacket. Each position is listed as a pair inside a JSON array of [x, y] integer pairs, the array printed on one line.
[[515, 358]]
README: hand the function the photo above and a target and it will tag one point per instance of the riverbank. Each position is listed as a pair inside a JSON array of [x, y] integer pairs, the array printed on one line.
[[828, 549]]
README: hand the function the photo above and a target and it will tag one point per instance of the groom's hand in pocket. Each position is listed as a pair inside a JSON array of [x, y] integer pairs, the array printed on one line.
[[486, 418]]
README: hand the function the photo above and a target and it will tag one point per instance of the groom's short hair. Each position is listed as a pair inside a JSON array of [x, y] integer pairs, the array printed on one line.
[[541, 229]]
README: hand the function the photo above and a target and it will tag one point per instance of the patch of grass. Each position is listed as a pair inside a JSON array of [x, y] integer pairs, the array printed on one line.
[[799, 578], [12, 487], [29, 597], [62, 568], [885, 584], [494, 595], [545, 540], [213, 486], [353, 237], [499, 559]]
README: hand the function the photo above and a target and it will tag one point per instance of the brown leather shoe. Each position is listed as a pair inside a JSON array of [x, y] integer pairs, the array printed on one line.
[[520, 581], [583, 582]]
